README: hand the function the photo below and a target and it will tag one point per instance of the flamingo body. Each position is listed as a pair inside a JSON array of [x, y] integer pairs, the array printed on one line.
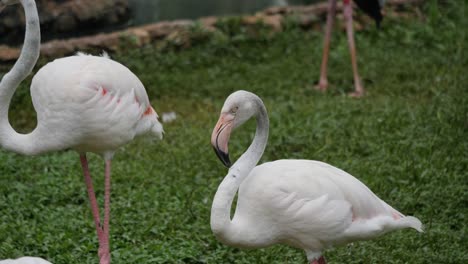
[[90, 104], [310, 205]]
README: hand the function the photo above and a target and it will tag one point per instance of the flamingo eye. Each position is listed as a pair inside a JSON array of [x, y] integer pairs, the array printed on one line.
[[234, 110]]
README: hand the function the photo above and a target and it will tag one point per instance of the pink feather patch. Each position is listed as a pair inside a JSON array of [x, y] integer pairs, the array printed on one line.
[[148, 111]]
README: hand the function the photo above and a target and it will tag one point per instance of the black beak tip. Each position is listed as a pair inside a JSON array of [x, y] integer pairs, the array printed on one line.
[[223, 156]]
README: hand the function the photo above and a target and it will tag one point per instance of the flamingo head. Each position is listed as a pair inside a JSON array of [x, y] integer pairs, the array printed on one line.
[[237, 109]]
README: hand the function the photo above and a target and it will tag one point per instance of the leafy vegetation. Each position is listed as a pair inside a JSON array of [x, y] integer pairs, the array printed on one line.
[[407, 140]]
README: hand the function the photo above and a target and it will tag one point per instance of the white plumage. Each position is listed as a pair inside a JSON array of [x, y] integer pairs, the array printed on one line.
[[302, 203], [305, 202], [91, 104], [25, 260]]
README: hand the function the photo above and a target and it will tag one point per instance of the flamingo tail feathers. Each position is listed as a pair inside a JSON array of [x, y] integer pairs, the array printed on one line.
[[411, 221]]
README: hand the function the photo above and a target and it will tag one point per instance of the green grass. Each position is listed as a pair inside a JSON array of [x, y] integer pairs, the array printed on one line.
[[407, 140]]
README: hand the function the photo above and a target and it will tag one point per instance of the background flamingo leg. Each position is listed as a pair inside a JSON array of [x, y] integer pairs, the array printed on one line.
[[323, 82], [105, 254], [348, 16]]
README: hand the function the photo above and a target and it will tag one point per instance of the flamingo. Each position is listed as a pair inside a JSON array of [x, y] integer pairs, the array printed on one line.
[[370, 7], [25, 260], [306, 204], [84, 103]]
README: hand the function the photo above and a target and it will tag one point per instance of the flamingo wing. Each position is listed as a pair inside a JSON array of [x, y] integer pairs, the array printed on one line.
[[312, 204]]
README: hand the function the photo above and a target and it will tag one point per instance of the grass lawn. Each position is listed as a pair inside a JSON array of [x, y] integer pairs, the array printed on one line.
[[407, 140]]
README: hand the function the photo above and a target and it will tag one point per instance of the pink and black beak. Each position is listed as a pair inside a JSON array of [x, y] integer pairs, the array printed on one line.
[[220, 138]]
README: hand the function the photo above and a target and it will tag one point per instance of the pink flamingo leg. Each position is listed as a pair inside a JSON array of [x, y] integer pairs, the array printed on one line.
[[105, 254], [323, 82], [321, 260], [348, 15], [91, 195], [95, 210]]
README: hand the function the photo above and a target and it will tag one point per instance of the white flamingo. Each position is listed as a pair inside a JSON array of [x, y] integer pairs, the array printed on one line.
[[25, 260], [302, 203], [84, 103]]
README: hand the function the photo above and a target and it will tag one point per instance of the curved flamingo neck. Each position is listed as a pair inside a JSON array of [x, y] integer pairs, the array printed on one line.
[[9, 138], [221, 223]]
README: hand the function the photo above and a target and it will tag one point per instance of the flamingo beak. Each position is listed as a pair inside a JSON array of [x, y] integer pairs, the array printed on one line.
[[220, 138]]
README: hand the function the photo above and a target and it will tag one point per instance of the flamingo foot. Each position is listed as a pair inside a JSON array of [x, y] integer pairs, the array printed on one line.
[[322, 85], [104, 249], [359, 90], [321, 260], [104, 255], [357, 94]]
